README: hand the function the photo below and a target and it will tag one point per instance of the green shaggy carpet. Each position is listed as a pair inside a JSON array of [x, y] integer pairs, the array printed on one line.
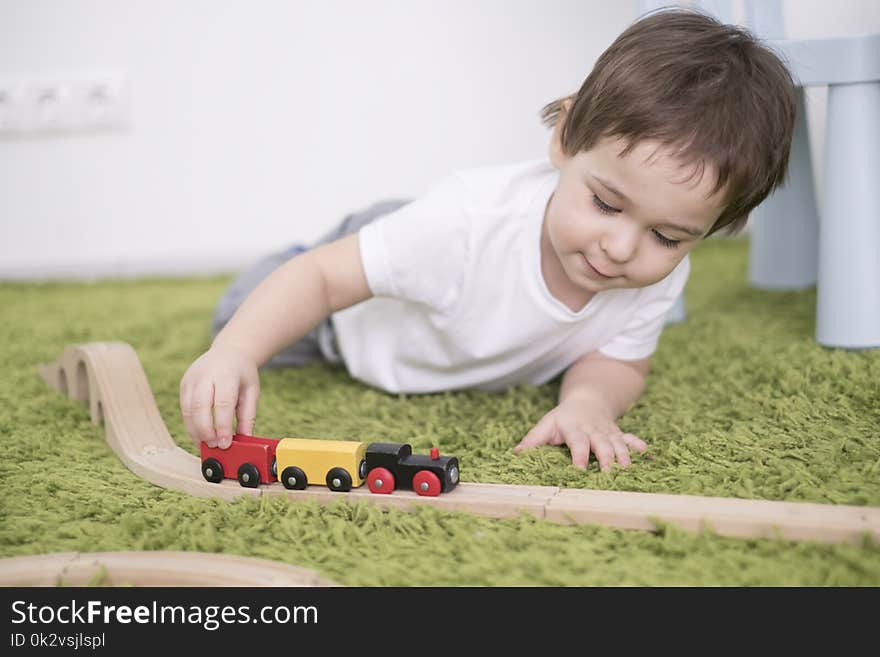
[[741, 403]]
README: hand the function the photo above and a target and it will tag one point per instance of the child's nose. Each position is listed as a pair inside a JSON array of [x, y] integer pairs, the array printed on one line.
[[620, 243]]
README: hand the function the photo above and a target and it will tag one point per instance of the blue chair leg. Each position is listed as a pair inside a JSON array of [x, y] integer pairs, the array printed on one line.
[[784, 231], [848, 293]]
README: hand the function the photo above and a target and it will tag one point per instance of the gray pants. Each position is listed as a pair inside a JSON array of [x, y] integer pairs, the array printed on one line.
[[320, 343]]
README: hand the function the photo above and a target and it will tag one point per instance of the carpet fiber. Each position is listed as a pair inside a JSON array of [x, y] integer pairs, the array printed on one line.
[[741, 403]]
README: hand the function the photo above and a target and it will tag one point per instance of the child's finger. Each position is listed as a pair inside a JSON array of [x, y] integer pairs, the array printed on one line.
[[579, 445], [186, 412], [635, 442], [247, 409], [201, 416], [604, 451], [621, 451], [225, 401], [541, 434]]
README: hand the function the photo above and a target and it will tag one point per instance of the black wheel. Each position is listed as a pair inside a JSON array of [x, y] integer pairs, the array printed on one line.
[[273, 469], [248, 475], [294, 478], [212, 470], [362, 469], [339, 480]]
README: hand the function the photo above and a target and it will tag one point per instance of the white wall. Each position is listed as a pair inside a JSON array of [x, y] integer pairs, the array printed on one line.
[[257, 123], [261, 123]]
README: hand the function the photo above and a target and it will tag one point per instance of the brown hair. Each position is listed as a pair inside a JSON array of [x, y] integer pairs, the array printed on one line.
[[709, 91]]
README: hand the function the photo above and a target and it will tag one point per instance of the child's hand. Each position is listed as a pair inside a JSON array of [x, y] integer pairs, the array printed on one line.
[[221, 381], [585, 427]]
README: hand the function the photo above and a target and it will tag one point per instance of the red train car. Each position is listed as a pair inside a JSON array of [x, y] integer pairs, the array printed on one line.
[[252, 460]]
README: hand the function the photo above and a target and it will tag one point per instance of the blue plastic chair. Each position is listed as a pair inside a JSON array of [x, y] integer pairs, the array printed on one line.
[[792, 244]]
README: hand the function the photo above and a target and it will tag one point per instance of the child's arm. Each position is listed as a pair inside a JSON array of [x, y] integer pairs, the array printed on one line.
[[281, 310], [595, 391]]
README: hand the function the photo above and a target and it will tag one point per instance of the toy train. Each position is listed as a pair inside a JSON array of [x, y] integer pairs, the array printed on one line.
[[338, 464]]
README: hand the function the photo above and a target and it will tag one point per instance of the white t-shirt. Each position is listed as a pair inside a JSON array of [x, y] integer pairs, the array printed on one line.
[[459, 297]]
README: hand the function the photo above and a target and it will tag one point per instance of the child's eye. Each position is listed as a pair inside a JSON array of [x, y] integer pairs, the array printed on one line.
[[604, 208], [665, 241]]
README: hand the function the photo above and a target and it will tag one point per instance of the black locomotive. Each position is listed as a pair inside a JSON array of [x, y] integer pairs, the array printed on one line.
[[393, 465]]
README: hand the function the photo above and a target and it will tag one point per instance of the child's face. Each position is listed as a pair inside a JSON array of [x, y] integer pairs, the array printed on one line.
[[622, 222]]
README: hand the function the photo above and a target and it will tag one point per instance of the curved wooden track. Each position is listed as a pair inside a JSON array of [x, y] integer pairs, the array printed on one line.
[[152, 569], [109, 377]]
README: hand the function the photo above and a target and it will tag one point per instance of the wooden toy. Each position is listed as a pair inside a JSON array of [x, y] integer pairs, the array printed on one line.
[[339, 464], [393, 465], [110, 379], [152, 568], [249, 459]]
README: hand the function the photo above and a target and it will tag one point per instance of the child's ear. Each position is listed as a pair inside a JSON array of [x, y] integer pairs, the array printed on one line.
[[557, 154]]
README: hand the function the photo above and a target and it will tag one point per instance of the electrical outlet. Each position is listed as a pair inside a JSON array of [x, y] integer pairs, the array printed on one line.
[[82, 102], [12, 105]]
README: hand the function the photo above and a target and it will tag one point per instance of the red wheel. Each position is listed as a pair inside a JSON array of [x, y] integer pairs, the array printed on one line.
[[379, 480], [426, 483]]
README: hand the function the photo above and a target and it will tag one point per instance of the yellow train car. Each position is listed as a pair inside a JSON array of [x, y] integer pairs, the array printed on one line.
[[338, 464]]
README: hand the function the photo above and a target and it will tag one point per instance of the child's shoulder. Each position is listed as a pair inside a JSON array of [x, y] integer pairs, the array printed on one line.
[[510, 173], [507, 186]]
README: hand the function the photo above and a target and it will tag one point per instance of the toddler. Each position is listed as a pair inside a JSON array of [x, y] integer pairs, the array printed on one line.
[[515, 274]]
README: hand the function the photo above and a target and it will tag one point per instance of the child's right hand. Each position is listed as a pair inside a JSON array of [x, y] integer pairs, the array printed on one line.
[[221, 382]]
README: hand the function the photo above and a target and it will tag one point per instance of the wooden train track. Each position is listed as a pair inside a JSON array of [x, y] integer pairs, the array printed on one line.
[[159, 568], [109, 377]]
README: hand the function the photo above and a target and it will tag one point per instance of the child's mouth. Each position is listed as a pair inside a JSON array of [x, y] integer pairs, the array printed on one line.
[[595, 271]]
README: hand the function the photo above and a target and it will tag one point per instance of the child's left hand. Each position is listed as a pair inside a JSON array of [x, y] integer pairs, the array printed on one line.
[[585, 427]]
